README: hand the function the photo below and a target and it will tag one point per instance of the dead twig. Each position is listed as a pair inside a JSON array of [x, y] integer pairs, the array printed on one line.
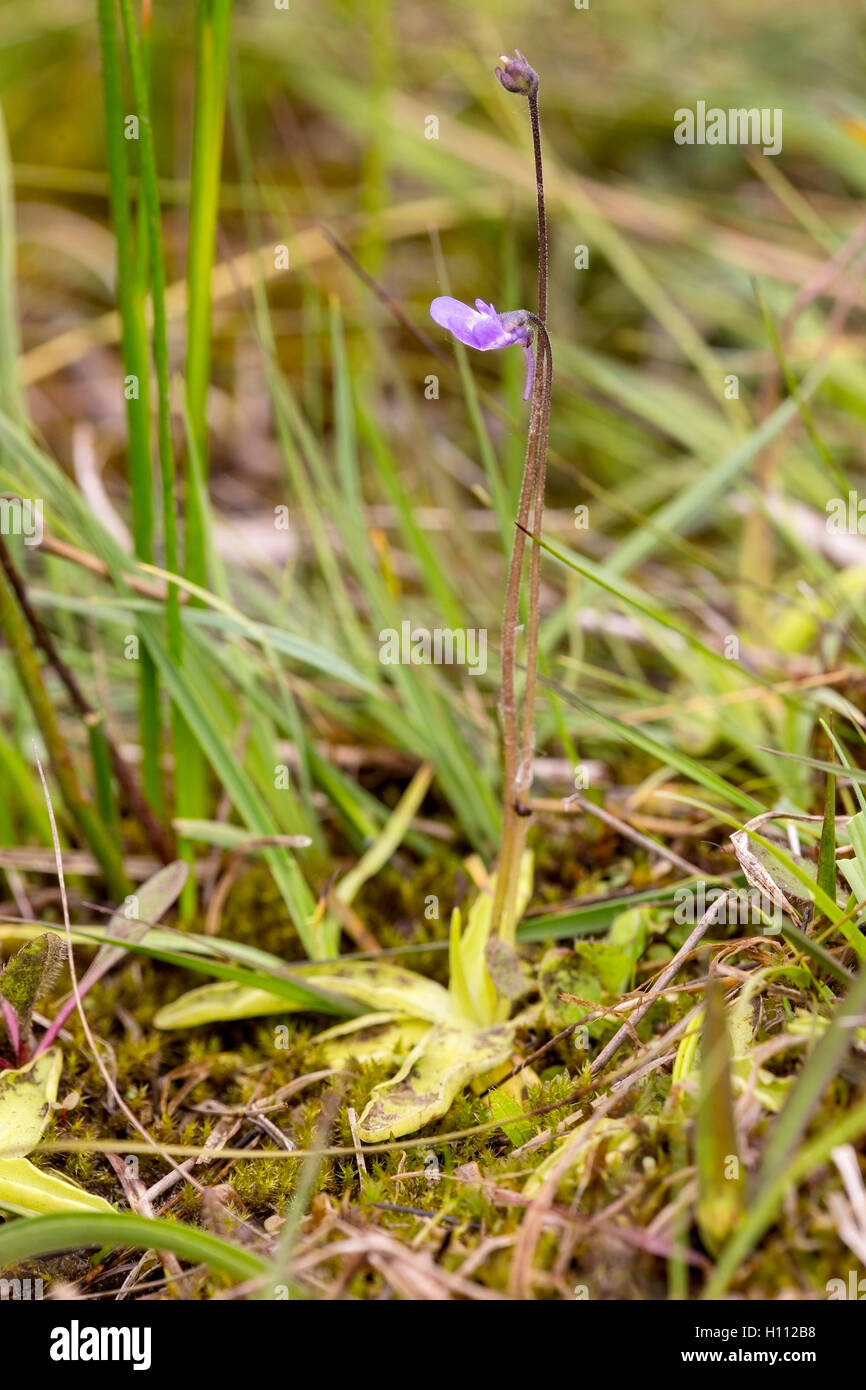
[[658, 989]]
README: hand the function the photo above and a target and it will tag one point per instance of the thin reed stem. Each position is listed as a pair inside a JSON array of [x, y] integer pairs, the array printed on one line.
[[213, 24], [182, 737], [136, 368], [150, 194]]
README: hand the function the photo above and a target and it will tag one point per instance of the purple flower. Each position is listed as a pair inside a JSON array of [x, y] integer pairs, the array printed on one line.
[[484, 329]]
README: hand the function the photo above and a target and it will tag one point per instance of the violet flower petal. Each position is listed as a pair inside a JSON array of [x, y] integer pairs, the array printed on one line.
[[476, 328], [457, 317], [481, 330], [491, 333]]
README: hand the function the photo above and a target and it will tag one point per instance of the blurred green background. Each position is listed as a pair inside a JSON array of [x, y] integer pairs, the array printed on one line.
[[709, 499]]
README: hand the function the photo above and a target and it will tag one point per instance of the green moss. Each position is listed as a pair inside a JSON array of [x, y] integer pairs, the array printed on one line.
[[165, 1077]]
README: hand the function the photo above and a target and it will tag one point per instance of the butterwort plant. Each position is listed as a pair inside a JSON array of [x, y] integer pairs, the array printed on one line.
[[483, 328], [464, 1035]]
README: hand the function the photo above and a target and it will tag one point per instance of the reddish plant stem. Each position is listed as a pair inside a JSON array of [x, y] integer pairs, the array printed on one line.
[[539, 197], [518, 735]]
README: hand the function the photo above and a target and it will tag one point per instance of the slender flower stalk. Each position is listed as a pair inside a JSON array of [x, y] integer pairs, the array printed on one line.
[[483, 328], [518, 77], [517, 733]]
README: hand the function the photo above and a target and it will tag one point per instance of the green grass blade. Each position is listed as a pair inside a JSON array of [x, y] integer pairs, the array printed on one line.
[[768, 1200], [821, 1066], [202, 715], [11, 393], [720, 1184], [30, 1237], [136, 367], [827, 846], [213, 23]]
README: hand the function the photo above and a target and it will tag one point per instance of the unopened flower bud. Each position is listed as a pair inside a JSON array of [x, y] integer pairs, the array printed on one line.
[[517, 76]]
